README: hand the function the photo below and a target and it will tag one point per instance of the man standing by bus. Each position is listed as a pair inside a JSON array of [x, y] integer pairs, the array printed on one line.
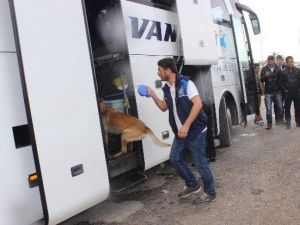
[[270, 76], [281, 64], [189, 124], [290, 82], [259, 92]]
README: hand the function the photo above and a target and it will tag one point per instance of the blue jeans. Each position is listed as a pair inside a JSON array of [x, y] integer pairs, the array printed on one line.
[[196, 146], [269, 98]]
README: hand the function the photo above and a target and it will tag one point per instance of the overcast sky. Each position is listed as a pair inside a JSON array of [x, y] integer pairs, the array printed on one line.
[[280, 28]]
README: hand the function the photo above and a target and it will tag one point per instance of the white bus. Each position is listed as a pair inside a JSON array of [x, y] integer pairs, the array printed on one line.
[[59, 58]]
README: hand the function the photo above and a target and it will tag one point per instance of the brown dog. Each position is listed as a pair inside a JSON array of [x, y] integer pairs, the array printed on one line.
[[130, 128]]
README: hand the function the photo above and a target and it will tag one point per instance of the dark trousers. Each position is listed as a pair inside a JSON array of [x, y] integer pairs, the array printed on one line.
[[210, 145], [292, 97], [196, 146]]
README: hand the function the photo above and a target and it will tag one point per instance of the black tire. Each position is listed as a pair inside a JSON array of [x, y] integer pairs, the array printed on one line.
[[225, 125]]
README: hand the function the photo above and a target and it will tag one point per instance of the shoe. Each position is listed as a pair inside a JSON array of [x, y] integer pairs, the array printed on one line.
[[204, 198], [188, 190], [269, 126], [212, 159], [261, 123], [298, 125]]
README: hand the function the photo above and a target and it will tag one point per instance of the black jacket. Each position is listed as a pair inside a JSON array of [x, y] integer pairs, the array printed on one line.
[[271, 80], [290, 80]]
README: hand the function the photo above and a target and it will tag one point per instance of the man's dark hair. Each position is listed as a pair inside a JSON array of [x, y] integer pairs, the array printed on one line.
[[288, 57], [168, 63], [271, 57], [256, 65], [279, 57]]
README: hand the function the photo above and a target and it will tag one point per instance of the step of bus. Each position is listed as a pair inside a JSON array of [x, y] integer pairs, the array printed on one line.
[[127, 180], [123, 164]]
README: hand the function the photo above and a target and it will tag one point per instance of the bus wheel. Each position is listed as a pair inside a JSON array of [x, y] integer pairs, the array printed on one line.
[[225, 125]]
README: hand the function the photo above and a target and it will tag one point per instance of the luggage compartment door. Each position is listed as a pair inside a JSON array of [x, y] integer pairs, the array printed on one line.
[[143, 72], [197, 32], [61, 104]]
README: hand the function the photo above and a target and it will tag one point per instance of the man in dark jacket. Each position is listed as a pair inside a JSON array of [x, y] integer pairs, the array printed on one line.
[[270, 76], [259, 92], [290, 82], [189, 124], [279, 61]]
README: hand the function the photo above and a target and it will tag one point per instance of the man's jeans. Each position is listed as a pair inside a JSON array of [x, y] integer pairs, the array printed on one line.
[[269, 98], [196, 146]]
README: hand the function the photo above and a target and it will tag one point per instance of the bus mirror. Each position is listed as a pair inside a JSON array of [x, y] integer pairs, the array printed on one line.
[[255, 23]]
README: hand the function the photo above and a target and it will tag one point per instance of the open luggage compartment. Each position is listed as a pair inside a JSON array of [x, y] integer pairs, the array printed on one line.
[[114, 80]]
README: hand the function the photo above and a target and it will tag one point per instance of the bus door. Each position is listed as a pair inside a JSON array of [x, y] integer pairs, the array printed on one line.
[[245, 57], [61, 105]]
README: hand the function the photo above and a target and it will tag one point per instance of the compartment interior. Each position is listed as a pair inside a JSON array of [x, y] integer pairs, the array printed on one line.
[[113, 76]]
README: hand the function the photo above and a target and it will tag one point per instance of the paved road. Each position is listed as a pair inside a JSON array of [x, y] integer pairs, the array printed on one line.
[[258, 181]]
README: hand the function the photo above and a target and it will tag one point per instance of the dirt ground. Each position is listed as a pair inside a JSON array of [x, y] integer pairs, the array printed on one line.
[[258, 182]]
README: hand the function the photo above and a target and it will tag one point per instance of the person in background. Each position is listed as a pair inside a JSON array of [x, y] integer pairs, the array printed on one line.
[[210, 149], [258, 119], [189, 124], [279, 61], [290, 83], [270, 77]]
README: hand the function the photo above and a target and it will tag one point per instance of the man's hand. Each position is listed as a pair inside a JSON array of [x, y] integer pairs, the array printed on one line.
[[268, 74], [197, 106], [162, 105], [183, 131], [151, 92]]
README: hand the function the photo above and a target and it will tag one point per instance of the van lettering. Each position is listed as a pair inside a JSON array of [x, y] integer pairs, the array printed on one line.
[[136, 31], [170, 33], [154, 31], [155, 26]]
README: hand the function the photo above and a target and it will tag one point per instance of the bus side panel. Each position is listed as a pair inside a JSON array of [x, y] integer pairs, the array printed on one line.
[[19, 203], [144, 69], [61, 101], [7, 43], [149, 30], [225, 75]]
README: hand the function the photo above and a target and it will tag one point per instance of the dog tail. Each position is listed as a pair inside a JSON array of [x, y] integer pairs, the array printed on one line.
[[155, 139]]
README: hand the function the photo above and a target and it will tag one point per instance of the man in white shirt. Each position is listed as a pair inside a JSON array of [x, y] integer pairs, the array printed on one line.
[[189, 124]]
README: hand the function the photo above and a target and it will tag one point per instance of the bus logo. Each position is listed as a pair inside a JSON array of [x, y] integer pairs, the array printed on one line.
[[155, 31], [223, 40]]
